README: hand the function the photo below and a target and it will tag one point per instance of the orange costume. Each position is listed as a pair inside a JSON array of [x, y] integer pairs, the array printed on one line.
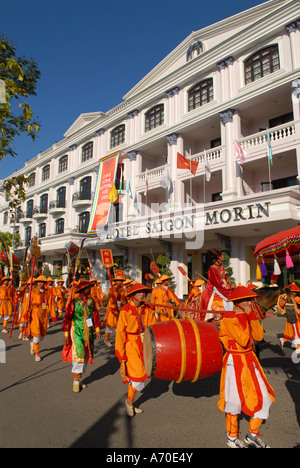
[[59, 294], [41, 305], [97, 294], [163, 294], [244, 386], [116, 299], [6, 301], [132, 322], [194, 302]]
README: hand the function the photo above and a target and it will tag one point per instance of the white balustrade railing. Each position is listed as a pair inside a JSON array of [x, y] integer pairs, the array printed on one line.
[[275, 134]]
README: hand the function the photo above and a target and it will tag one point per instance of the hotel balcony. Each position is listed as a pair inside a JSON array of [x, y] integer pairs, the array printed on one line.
[[81, 199], [283, 139], [25, 218], [57, 207], [39, 213]]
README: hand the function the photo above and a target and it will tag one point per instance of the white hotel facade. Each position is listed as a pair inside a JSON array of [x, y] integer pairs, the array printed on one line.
[[230, 81]]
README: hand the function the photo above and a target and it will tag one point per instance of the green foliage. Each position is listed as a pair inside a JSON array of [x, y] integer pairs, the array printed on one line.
[[8, 238], [20, 76], [163, 263], [228, 269]]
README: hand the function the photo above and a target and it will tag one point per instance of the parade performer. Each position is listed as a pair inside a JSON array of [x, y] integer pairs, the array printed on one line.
[[127, 285], [134, 317], [116, 298], [80, 321], [6, 301], [289, 304], [164, 295], [60, 293], [217, 283], [23, 293], [244, 386], [97, 294], [40, 306], [194, 301]]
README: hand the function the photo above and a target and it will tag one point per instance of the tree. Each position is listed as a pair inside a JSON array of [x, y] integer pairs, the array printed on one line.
[[19, 76]]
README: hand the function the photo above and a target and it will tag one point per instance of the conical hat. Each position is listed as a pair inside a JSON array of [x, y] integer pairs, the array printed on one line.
[[241, 292], [293, 287], [41, 278], [136, 288]]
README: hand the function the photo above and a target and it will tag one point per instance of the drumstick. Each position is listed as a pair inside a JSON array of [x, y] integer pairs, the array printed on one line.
[[202, 277]]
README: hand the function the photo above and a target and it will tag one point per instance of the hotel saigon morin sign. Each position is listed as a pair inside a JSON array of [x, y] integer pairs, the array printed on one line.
[[188, 222]]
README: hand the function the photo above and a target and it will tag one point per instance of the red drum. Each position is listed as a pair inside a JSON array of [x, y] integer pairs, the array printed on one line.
[[182, 350]]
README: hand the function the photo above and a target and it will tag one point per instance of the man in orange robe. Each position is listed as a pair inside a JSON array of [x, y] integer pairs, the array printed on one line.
[[134, 317], [41, 305], [164, 295], [116, 299], [244, 386], [59, 293], [6, 300]]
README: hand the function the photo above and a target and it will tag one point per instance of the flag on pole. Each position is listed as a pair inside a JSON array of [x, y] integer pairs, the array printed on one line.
[[113, 194], [270, 152], [207, 168], [185, 163], [239, 152], [146, 183], [165, 180], [121, 177], [72, 249], [7, 258], [128, 189]]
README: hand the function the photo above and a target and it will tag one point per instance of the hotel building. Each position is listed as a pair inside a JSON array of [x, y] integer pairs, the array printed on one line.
[[235, 80]]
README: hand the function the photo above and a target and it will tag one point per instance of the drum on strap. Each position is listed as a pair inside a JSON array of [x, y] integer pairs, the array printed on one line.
[[182, 350]]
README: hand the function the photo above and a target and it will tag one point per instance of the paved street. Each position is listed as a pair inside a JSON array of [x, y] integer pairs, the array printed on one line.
[[39, 409]]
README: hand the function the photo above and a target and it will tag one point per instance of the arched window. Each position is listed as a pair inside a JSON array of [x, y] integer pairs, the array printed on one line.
[[85, 188], [117, 136], [200, 94], [46, 172], [154, 117], [262, 63], [42, 230], [84, 219], [63, 164], [44, 203], [87, 151], [61, 197], [32, 179], [60, 226]]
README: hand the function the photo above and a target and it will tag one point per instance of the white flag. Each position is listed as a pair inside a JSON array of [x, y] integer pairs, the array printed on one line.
[[207, 168], [165, 179], [239, 152]]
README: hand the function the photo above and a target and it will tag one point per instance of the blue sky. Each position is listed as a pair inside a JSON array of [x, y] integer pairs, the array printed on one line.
[[92, 52]]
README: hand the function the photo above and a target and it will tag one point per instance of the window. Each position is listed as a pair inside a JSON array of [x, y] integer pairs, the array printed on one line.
[[117, 136], [63, 164], [84, 219], [46, 172], [42, 230], [29, 209], [61, 197], [32, 180], [85, 188], [5, 217], [44, 203], [27, 235], [87, 152], [262, 63], [201, 94], [60, 226], [154, 117]]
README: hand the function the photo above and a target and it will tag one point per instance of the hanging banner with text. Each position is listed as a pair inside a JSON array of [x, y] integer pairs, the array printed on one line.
[[101, 203]]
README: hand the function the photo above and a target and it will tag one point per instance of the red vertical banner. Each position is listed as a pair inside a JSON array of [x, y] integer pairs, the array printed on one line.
[[101, 203]]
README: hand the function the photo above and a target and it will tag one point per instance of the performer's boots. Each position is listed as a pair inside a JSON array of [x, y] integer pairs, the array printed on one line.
[[106, 341], [77, 385]]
